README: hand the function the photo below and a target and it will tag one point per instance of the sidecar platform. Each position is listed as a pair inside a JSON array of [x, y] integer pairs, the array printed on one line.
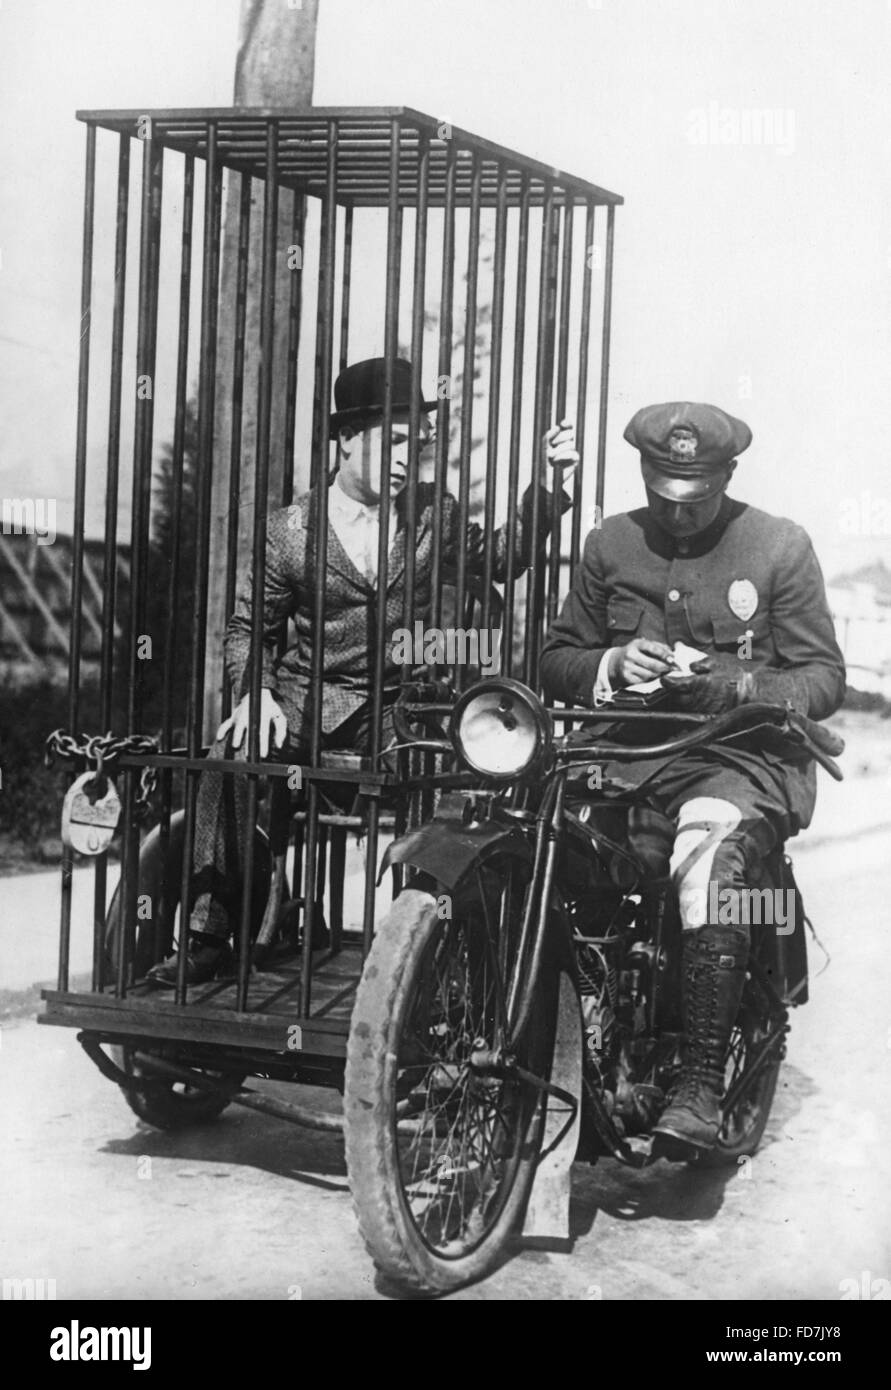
[[272, 1024]]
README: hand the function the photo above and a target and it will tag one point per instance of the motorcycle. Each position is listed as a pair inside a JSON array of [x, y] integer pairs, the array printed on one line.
[[520, 1007]]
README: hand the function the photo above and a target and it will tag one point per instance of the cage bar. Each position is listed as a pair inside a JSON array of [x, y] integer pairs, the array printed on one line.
[[444, 378], [495, 359], [295, 300], [604, 355], [345, 287], [582, 393], [468, 377], [237, 391], [556, 548], [206, 400], [516, 424], [324, 349]]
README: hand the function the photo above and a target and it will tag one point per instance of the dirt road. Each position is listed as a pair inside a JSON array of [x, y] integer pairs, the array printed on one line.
[[252, 1208]]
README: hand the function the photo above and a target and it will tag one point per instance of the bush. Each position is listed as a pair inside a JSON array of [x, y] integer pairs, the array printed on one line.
[[31, 794]]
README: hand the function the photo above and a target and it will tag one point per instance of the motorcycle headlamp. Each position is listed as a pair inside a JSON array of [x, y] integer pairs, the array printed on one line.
[[500, 729]]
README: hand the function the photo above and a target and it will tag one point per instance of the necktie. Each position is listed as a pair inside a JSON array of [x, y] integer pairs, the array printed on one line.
[[370, 540]]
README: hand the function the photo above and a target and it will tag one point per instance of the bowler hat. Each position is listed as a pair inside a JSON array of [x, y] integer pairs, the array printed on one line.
[[359, 391], [686, 448]]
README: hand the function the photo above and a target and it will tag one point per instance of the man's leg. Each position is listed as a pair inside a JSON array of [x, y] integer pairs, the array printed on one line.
[[221, 830], [719, 846], [354, 734], [221, 833]]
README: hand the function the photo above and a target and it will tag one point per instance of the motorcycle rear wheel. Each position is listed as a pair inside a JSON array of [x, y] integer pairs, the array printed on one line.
[[744, 1125], [440, 1155]]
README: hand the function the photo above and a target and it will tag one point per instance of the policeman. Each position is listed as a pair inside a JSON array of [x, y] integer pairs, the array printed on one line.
[[745, 589]]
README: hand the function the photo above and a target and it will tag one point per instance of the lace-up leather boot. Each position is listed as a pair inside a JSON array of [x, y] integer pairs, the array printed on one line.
[[714, 964]]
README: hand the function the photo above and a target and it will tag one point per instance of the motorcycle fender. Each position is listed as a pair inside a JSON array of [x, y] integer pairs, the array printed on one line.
[[792, 949], [447, 849], [547, 1210]]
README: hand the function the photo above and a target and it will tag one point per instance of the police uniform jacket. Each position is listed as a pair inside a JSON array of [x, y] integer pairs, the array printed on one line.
[[748, 592]]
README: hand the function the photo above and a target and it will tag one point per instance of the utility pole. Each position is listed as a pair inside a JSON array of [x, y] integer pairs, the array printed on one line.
[[275, 67]]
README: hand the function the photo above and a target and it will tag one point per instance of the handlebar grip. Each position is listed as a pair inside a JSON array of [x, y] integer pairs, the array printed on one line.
[[828, 742]]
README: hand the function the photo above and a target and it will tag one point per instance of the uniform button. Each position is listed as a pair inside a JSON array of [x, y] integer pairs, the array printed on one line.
[[674, 595], [683, 547]]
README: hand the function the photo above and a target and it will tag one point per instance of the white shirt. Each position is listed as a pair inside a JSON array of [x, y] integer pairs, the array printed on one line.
[[357, 525], [603, 691]]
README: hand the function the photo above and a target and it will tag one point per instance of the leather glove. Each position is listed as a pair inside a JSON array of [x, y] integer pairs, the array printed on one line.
[[702, 693], [773, 688], [709, 693]]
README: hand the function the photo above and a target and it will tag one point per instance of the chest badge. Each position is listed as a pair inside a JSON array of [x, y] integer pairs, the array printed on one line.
[[743, 598]]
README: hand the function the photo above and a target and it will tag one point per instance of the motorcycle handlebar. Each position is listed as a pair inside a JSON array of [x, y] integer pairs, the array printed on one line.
[[796, 728], [822, 744], [708, 728]]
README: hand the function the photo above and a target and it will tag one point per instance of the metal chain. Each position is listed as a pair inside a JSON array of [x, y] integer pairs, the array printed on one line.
[[103, 749]]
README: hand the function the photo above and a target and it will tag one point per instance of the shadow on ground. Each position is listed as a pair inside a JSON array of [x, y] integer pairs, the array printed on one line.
[[674, 1191], [250, 1140]]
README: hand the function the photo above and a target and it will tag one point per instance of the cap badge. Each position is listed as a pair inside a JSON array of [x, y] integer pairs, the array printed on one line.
[[743, 598], [682, 445]]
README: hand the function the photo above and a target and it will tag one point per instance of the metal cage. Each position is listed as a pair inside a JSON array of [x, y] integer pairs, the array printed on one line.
[[379, 229]]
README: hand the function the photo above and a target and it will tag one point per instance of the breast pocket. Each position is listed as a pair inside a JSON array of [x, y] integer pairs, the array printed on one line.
[[744, 639], [622, 619]]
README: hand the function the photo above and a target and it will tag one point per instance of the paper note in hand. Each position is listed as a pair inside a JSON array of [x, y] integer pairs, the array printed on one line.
[[684, 658]]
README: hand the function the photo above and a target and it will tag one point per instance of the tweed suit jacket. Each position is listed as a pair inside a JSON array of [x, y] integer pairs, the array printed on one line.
[[635, 580], [292, 570]]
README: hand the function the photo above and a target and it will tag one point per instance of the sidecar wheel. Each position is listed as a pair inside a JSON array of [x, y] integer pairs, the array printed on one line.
[[440, 1154], [169, 1104]]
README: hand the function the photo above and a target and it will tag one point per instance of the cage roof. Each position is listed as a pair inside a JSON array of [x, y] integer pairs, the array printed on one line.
[[364, 137]]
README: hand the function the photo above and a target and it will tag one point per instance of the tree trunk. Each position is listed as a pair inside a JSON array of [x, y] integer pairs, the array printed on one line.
[[275, 67]]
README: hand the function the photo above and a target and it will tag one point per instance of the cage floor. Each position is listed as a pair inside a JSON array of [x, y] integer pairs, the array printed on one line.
[[275, 989], [272, 1019]]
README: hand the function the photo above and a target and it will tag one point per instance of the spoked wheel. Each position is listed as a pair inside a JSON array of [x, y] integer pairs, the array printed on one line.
[[164, 1103], [746, 1119], [442, 1134], [170, 1104]]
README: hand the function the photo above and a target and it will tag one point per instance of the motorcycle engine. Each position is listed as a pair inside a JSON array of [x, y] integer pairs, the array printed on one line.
[[615, 971], [599, 987]]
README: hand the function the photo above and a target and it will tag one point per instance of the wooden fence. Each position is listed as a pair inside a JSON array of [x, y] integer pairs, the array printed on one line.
[[35, 605]]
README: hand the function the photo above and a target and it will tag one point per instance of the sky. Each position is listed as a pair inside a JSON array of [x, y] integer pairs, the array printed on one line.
[[751, 272]]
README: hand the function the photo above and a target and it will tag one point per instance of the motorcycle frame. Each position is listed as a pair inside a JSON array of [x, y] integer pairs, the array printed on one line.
[[442, 850]]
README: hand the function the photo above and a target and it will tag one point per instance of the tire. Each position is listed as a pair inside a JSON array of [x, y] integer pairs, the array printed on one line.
[[743, 1127], [436, 1215], [168, 1105]]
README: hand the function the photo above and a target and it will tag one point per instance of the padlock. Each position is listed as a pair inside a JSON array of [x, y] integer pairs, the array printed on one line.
[[88, 826]]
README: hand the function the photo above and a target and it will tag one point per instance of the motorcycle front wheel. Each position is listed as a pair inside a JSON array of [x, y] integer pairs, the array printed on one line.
[[441, 1152]]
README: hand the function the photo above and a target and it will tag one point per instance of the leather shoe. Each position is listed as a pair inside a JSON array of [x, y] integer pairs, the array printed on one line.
[[691, 1121], [207, 957]]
